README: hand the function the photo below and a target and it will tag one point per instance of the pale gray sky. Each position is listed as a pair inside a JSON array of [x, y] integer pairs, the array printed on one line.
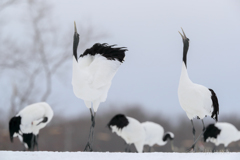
[[149, 29]]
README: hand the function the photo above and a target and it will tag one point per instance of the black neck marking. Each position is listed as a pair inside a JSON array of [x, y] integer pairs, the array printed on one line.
[[75, 44], [211, 132], [107, 51], [185, 50], [119, 120], [215, 105], [166, 137], [14, 126]]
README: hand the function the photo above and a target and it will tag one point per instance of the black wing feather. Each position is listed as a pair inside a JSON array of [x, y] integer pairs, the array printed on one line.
[[107, 51]]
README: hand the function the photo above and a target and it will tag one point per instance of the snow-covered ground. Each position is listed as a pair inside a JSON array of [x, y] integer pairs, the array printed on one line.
[[9, 155]]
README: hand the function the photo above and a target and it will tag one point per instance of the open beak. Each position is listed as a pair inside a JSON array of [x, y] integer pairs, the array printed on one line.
[[184, 35], [75, 28]]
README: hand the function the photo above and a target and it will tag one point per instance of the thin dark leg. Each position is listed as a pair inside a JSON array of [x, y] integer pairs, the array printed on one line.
[[203, 126], [36, 142], [150, 148], [214, 148], [127, 147], [93, 126], [90, 137], [32, 143], [193, 132], [225, 149], [200, 135]]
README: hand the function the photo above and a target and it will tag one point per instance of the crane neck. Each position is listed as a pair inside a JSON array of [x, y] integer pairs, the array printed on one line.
[[184, 78], [185, 50], [185, 59], [75, 44]]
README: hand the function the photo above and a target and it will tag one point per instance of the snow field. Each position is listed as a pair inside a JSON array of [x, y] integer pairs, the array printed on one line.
[[43, 155]]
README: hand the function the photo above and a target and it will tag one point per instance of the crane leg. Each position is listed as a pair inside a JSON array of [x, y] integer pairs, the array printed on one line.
[[126, 148], [93, 126], [203, 126], [225, 149], [32, 143], [214, 149], [193, 132], [200, 135], [36, 142], [150, 148], [91, 132]]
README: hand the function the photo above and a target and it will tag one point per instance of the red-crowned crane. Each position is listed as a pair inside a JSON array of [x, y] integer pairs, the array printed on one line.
[[196, 100], [221, 133], [130, 129], [27, 123], [92, 75]]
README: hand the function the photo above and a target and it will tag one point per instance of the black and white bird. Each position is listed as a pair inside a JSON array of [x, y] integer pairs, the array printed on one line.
[[92, 75], [196, 100], [154, 134], [130, 129], [27, 123], [221, 133]]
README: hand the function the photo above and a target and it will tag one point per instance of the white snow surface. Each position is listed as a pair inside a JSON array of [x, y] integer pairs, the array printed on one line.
[[10, 155]]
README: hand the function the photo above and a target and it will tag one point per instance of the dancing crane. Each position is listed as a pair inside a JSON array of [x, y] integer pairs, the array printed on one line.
[[92, 75]]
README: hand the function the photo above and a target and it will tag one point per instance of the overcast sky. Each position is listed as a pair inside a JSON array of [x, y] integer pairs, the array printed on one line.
[[151, 71]]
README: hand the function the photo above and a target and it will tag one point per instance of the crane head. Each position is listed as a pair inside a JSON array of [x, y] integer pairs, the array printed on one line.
[[185, 46], [184, 37], [75, 41]]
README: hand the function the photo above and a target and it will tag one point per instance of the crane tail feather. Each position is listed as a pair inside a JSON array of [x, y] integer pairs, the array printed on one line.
[[215, 105]]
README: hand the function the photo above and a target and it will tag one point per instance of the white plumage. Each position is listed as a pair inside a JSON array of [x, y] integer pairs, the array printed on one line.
[[221, 133], [130, 129], [33, 115], [154, 134], [28, 122], [196, 100], [91, 78], [92, 75]]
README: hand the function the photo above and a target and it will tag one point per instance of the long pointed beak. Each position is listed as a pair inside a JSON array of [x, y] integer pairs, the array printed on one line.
[[181, 34], [75, 28], [184, 35]]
